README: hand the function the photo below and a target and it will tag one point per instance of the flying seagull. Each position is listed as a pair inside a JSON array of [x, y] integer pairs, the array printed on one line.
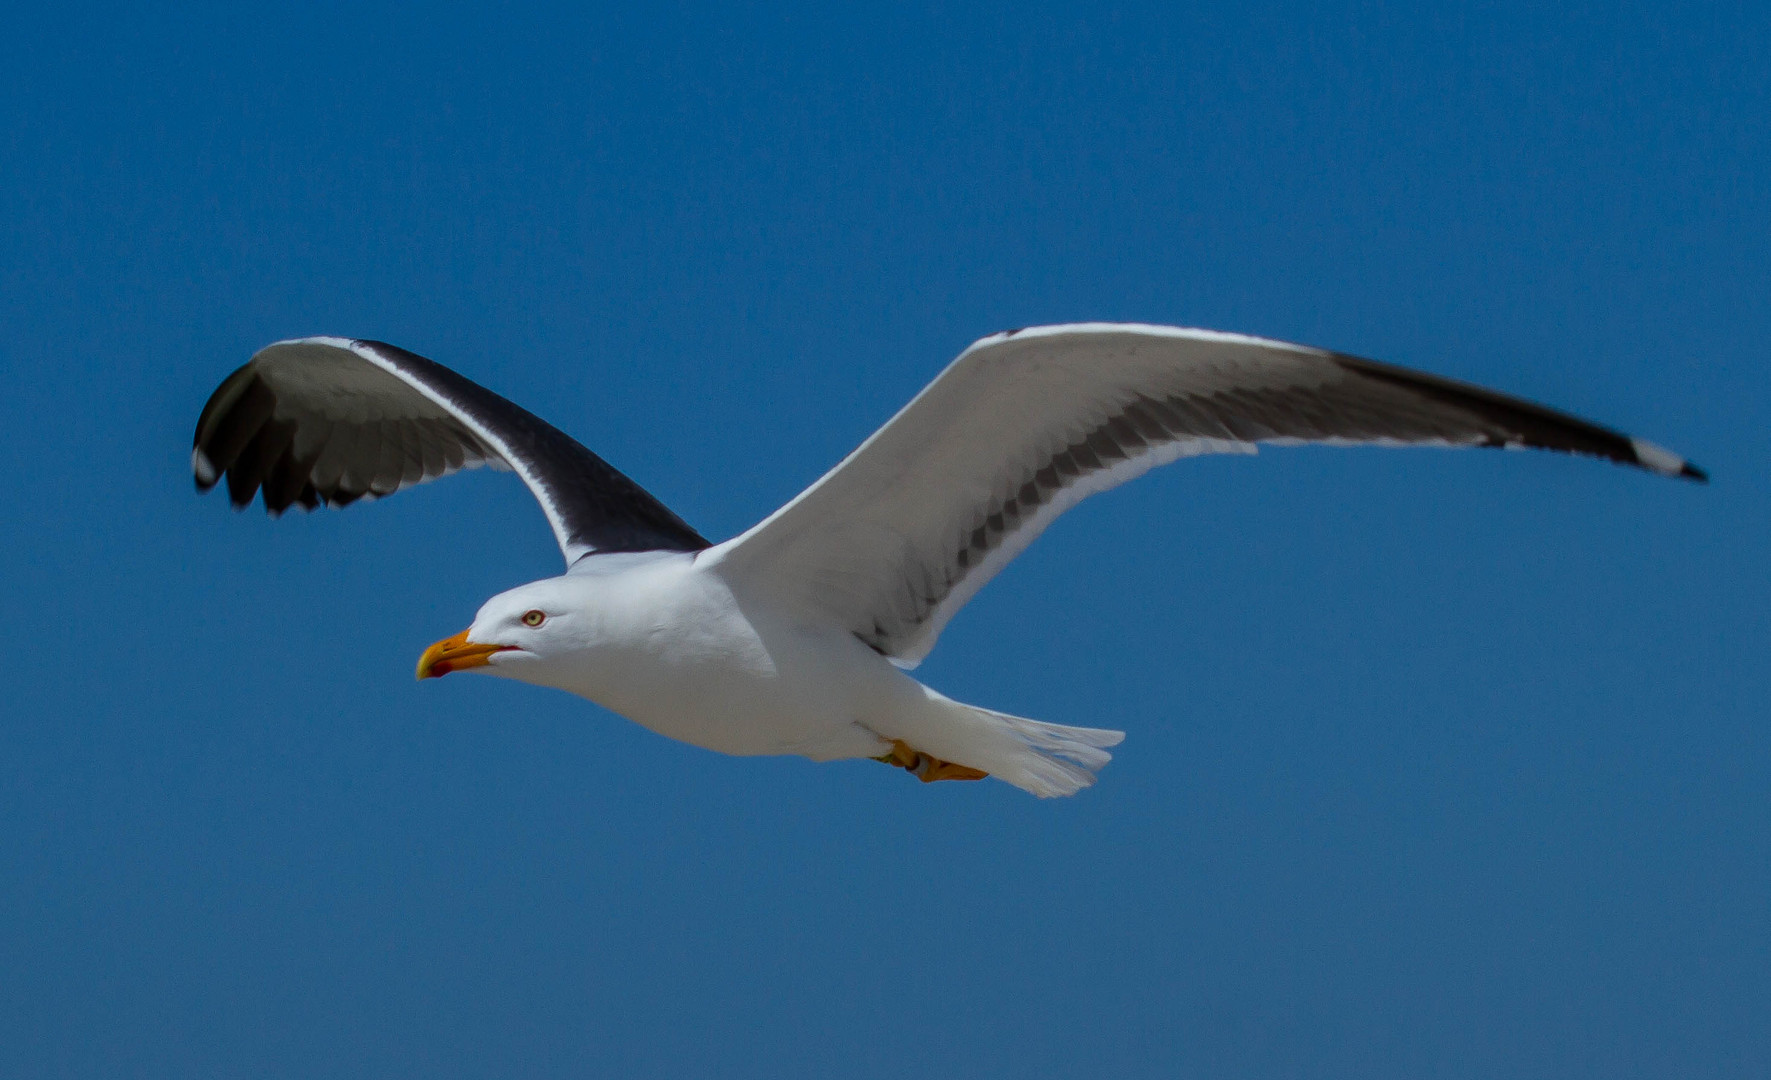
[[795, 637]]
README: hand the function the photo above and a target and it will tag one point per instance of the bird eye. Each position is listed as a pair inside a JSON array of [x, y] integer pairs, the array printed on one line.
[[533, 618]]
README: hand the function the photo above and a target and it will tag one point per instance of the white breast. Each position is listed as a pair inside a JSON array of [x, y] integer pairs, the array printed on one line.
[[677, 653]]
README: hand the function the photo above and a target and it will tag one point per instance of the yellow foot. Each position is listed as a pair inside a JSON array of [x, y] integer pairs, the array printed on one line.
[[925, 768]]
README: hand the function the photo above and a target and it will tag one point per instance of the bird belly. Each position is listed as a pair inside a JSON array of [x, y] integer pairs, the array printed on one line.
[[691, 665]]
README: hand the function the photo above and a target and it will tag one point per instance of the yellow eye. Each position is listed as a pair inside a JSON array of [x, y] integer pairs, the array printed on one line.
[[533, 618]]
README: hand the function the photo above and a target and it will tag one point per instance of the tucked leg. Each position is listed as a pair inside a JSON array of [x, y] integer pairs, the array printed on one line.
[[925, 768]]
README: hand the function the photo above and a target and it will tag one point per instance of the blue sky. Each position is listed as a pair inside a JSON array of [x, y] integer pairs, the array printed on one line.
[[1439, 764]]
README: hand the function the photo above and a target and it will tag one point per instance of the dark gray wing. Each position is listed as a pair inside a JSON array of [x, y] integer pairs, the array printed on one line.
[[1025, 424], [333, 420]]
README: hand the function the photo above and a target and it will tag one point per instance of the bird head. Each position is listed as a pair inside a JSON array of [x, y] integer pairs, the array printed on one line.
[[525, 626]]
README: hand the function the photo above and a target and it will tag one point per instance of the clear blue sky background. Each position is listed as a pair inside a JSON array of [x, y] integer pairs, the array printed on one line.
[[1440, 764]]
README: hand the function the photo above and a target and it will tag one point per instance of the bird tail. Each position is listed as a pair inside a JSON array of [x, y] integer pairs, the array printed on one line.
[[1053, 759], [1048, 760]]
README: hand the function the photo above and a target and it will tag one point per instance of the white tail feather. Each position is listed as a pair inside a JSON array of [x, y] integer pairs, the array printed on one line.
[[1046, 759], [1057, 759]]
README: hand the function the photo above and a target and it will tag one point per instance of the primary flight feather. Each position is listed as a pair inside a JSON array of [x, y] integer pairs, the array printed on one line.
[[792, 637]]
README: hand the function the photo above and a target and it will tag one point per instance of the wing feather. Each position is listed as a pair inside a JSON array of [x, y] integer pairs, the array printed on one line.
[[1024, 425], [334, 420]]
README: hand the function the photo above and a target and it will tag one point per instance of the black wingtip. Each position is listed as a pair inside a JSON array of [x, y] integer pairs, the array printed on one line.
[[203, 471], [1659, 459]]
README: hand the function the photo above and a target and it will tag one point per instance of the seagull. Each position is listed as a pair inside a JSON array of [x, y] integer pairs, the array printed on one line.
[[797, 636]]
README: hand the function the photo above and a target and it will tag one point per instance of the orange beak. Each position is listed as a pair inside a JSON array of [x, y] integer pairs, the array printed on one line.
[[455, 654]]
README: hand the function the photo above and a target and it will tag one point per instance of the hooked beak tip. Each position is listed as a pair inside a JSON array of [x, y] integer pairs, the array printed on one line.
[[455, 654]]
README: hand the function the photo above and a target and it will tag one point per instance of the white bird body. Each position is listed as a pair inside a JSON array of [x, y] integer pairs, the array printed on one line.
[[665, 641], [793, 637]]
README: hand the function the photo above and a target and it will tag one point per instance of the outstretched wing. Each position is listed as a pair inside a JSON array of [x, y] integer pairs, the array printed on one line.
[[1025, 424], [333, 420]]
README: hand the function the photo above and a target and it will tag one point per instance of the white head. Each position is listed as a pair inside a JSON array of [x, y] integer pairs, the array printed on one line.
[[519, 633]]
